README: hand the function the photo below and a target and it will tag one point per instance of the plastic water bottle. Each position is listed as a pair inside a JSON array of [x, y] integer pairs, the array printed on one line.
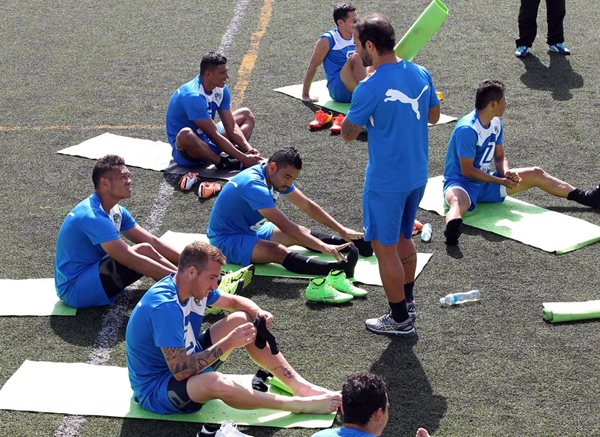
[[457, 298], [426, 233]]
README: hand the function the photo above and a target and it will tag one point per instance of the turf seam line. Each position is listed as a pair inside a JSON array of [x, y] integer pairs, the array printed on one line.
[[115, 317]]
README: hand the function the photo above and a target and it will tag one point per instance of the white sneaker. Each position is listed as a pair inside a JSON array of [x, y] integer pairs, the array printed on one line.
[[229, 429]]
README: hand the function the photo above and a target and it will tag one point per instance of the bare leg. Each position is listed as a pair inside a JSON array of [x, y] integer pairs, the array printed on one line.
[[408, 256], [353, 72], [458, 202], [391, 270], [244, 119], [269, 252], [190, 144], [213, 385], [537, 177]]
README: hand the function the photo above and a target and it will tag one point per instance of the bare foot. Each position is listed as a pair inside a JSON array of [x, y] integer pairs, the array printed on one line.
[[321, 404], [309, 389], [422, 432]]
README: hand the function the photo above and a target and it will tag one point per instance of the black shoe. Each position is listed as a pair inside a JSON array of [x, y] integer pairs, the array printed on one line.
[[208, 430], [452, 231], [594, 197]]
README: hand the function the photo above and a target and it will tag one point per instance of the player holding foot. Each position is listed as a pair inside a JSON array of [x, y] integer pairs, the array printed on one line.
[[171, 360], [395, 103], [195, 137], [246, 224], [477, 143]]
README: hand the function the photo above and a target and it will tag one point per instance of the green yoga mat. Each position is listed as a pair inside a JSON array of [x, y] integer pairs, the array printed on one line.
[[319, 89], [366, 271], [31, 297], [90, 390], [556, 312], [427, 25], [521, 221]]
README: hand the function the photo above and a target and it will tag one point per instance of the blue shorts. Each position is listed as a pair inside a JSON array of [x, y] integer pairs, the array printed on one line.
[[238, 248], [338, 91], [484, 192], [387, 215], [86, 290], [184, 160]]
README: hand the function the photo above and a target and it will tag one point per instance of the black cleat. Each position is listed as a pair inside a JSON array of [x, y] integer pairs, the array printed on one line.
[[364, 247], [349, 263]]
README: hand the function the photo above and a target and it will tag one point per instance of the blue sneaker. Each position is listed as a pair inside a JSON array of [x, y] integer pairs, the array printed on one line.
[[522, 51], [559, 49]]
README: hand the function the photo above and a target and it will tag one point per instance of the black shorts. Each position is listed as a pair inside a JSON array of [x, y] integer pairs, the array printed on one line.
[[115, 277], [177, 390]]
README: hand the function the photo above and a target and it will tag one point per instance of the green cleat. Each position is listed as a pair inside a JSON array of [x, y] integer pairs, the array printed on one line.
[[245, 273], [337, 279], [319, 291]]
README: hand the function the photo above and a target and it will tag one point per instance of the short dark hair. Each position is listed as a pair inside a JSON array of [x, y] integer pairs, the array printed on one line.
[[341, 11], [197, 254], [363, 393], [104, 165], [210, 61], [489, 91], [378, 29], [286, 156]]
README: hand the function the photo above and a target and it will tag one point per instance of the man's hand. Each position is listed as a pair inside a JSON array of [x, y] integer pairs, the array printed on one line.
[[508, 182], [267, 316], [252, 151], [250, 159], [512, 175], [335, 251], [241, 336], [350, 234], [307, 98]]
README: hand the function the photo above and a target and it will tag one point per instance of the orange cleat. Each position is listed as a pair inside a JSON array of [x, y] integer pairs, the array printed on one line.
[[321, 119], [336, 128], [417, 227], [208, 189], [187, 181]]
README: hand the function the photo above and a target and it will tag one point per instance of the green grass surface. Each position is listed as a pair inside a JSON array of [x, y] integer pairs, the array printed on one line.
[[494, 368]]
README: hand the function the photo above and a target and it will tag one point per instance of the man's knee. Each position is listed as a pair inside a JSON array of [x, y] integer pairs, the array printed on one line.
[[245, 114], [185, 138]]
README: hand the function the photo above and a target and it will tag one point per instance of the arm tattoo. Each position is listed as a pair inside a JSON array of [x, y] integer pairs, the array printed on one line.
[[183, 366], [350, 130]]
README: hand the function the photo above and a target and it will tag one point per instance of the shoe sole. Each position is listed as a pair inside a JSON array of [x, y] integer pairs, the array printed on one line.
[[335, 301], [410, 333]]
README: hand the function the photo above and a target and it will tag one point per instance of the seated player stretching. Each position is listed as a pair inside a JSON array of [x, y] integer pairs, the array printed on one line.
[[246, 224], [476, 142], [171, 361]]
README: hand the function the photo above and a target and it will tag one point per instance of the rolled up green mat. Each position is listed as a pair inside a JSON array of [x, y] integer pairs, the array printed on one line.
[[422, 30], [556, 312]]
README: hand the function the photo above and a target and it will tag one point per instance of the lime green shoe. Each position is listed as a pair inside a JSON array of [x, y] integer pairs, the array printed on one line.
[[245, 273], [319, 291], [337, 279], [230, 288]]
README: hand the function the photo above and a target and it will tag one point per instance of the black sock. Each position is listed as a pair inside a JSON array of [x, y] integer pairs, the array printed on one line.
[[297, 263], [399, 311], [588, 198], [327, 239], [452, 231], [364, 247], [408, 291], [229, 164]]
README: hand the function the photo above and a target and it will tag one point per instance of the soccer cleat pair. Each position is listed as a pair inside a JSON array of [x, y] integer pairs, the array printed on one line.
[[232, 283], [323, 118], [336, 288]]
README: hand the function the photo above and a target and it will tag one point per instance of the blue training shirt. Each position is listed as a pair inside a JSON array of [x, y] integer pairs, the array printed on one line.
[[236, 209], [78, 245], [394, 104], [470, 139], [161, 320], [191, 102], [340, 50], [342, 432]]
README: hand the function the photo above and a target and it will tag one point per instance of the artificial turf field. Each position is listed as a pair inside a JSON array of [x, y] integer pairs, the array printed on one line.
[[70, 69]]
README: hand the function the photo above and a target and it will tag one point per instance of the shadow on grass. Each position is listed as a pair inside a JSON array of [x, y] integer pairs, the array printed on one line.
[[558, 77], [412, 401]]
